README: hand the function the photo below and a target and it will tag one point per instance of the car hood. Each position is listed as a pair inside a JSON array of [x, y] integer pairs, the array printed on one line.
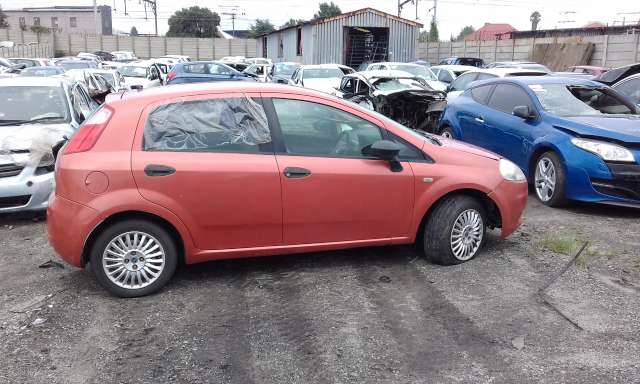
[[327, 85], [468, 148], [129, 81], [27, 144], [437, 85], [619, 128]]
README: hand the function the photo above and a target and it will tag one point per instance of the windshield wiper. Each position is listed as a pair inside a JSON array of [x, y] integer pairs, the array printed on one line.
[[39, 119]]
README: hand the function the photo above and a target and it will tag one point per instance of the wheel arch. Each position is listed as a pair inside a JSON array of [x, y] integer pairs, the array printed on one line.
[[129, 215], [538, 150]]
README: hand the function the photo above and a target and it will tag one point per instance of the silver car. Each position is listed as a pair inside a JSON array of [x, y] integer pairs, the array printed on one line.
[[36, 113]]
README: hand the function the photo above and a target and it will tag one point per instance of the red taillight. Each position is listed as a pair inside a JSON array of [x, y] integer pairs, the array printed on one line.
[[171, 75], [89, 132]]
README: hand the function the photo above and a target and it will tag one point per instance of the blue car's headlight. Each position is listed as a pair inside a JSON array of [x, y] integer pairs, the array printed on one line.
[[510, 171], [607, 151]]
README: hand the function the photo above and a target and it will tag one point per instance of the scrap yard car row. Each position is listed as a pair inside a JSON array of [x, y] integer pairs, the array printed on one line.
[[153, 163]]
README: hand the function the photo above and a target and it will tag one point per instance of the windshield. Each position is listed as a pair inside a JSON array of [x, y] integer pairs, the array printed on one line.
[[388, 85], [284, 69], [422, 72], [208, 69], [67, 65], [566, 100], [132, 71], [20, 103], [322, 73]]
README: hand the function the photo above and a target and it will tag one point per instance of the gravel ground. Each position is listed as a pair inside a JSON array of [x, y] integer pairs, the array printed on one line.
[[374, 315]]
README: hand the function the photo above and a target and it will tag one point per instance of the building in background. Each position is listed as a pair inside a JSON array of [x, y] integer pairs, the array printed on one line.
[[65, 19], [490, 31], [350, 39]]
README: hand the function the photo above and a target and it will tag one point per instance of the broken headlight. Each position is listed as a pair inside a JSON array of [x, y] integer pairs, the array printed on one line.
[[47, 164]]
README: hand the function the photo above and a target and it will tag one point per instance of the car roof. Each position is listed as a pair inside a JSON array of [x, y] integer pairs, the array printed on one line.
[[321, 66], [531, 80], [27, 81], [505, 71], [455, 67], [398, 63], [383, 73]]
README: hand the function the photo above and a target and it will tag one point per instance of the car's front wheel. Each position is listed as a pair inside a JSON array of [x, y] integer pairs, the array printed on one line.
[[134, 258], [549, 179], [447, 132], [455, 230]]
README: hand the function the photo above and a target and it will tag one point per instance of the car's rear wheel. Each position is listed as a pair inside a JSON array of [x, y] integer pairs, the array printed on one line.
[[455, 230], [447, 132], [134, 258], [549, 180]]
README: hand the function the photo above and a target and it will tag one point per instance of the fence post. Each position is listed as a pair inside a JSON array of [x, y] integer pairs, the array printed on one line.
[[513, 49], [635, 48], [437, 52], [605, 49], [149, 45], [21, 36], [86, 48], [479, 47], [464, 45], [133, 45], [164, 41], [230, 48], [68, 45], [213, 47], [246, 48], [495, 49], [101, 42]]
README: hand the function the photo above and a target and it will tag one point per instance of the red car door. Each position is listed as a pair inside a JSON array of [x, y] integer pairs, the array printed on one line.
[[209, 160], [330, 191]]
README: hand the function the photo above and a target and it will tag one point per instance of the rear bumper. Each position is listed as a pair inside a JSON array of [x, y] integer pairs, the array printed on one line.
[[511, 199], [68, 225]]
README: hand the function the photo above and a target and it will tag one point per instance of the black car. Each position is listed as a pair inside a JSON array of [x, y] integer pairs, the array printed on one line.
[[472, 61], [105, 56]]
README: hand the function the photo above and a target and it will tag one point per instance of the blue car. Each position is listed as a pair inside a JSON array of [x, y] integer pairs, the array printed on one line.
[[574, 139], [204, 71]]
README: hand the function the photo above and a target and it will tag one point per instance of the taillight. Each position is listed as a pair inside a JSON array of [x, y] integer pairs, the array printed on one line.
[[89, 132], [171, 75]]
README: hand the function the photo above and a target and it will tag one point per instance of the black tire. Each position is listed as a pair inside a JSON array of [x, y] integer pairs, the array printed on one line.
[[138, 225], [447, 130], [558, 197], [439, 227]]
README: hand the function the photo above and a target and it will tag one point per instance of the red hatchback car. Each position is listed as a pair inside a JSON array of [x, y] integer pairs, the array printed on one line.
[[191, 173]]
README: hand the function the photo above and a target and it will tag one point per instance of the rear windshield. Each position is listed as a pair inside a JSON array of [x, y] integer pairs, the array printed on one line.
[[322, 73], [284, 69], [21, 103], [74, 65], [415, 70], [470, 61], [131, 71]]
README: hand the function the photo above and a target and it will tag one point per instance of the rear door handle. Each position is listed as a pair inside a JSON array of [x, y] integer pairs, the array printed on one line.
[[479, 120], [158, 170], [296, 172]]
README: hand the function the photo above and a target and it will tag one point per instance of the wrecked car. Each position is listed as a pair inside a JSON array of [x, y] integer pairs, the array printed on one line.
[[97, 86], [398, 95], [36, 114]]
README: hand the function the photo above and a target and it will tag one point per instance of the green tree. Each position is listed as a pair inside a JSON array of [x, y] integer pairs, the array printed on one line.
[[327, 10], [3, 19], [466, 31], [423, 37], [260, 27], [433, 32], [194, 22], [134, 31], [292, 22], [535, 19]]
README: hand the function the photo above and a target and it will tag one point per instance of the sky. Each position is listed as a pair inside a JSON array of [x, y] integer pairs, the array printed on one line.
[[452, 15]]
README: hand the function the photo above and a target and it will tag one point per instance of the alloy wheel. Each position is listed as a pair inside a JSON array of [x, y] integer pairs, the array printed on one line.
[[133, 260], [545, 179], [466, 234]]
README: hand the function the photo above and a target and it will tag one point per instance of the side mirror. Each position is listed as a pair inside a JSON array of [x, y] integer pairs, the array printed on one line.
[[385, 150], [522, 111]]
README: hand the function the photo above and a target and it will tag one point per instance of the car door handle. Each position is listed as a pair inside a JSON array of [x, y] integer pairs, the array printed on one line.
[[296, 173], [158, 170], [479, 120]]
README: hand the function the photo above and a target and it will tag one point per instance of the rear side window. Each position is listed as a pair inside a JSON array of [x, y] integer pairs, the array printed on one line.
[[631, 88], [214, 125], [508, 96], [462, 82], [481, 94]]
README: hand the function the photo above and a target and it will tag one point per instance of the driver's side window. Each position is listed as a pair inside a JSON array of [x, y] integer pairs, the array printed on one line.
[[348, 85], [312, 129]]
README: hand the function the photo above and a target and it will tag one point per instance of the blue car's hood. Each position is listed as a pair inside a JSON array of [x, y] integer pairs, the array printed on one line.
[[620, 128]]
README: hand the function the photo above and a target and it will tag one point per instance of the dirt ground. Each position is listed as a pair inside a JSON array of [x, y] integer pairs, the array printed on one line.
[[375, 315]]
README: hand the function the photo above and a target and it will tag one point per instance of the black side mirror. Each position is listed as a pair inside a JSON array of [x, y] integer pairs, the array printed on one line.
[[523, 112], [385, 150]]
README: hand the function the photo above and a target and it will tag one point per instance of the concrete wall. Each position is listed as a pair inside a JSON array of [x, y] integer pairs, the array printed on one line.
[[610, 50], [143, 47]]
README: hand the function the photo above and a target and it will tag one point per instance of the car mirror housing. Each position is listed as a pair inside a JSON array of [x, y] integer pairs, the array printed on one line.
[[385, 150], [523, 112]]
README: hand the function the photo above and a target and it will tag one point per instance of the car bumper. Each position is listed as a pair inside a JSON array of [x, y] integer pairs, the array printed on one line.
[[511, 200], [617, 184], [25, 192], [67, 224]]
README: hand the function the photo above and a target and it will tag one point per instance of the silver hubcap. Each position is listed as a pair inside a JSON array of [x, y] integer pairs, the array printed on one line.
[[466, 235], [133, 260], [545, 179], [446, 134]]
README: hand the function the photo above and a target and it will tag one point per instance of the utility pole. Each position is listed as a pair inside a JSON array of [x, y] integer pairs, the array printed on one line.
[[435, 10], [402, 3], [95, 17], [233, 12], [153, 4]]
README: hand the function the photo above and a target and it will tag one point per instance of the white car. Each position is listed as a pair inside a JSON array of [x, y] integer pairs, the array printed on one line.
[[177, 58], [324, 77], [462, 82], [448, 73], [258, 71], [141, 74], [258, 60], [30, 62], [414, 69], [123, 56]]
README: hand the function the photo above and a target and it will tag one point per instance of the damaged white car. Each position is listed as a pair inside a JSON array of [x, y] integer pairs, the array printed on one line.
[[36, 114]]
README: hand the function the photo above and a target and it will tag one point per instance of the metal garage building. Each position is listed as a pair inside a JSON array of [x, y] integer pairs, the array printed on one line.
[[351, 38]]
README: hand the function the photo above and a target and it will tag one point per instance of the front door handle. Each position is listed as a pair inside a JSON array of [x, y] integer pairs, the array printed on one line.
[[158, 170], [479, 120], [296, 172]]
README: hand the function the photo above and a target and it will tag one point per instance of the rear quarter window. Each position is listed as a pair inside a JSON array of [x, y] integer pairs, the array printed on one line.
[[481, 94]]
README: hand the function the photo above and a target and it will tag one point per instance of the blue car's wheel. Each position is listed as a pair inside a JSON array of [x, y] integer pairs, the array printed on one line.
[[549, 179], [447, 132]]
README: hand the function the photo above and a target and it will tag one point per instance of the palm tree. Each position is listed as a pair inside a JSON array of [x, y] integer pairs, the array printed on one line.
[[535, 19]]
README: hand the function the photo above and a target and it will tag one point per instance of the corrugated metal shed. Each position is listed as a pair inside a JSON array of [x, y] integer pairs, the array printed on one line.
[[324, 40]]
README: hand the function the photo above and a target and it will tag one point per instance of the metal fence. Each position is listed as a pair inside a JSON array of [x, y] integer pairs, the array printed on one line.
[[27, 50], [62, 44]]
